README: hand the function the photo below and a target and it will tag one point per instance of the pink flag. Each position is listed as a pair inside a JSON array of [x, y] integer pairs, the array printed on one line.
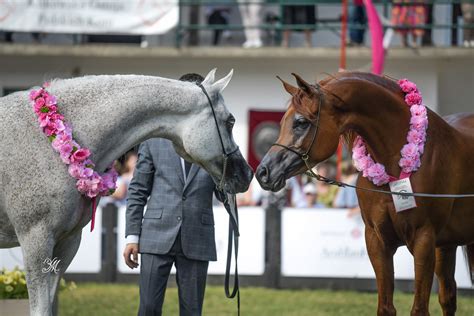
[[376, 33]]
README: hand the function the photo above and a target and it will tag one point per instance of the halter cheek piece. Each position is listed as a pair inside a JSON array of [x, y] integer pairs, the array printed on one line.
[[225, 155], [305, 155]]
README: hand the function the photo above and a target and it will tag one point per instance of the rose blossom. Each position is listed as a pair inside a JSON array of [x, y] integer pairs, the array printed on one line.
[[409, 150], [413, 98], [363, 163], [78, 170], [80, 155], [407, 86], [418, 110], [408, 164], [377, 174], [416, 136], [358, 152], [50, 100], [419, 122], [35, 93], [61, 139], [65, 152]]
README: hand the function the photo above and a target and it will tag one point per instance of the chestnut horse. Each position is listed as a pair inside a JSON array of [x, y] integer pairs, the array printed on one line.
[[351, 103]]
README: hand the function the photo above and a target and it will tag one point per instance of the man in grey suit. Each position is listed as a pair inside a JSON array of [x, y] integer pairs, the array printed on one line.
[[178, 226]]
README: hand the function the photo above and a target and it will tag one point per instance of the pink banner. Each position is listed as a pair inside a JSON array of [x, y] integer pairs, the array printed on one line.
[[376, 33]]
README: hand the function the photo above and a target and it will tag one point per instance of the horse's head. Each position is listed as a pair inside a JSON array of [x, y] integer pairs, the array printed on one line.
[[207, 137], [309, 130]]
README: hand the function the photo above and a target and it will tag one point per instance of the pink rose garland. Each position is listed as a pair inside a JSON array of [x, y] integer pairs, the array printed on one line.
[[411, 152], [89, 182]]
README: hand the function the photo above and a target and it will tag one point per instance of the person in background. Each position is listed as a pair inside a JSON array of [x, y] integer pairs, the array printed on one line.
[[408, 13], [326, 192], [251, 19], [347, 197], [126, 174], [254, 196], [297, 196], [357, 18], [299, 14], [218, 16], [468, 17], [125, 167], [311, 196]]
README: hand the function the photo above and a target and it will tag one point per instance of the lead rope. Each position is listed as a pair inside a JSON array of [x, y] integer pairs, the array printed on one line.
[[234, 234], [231, 208], [318, 177]]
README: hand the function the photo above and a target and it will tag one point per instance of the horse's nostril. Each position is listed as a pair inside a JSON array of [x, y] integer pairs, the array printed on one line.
[[262, 173]]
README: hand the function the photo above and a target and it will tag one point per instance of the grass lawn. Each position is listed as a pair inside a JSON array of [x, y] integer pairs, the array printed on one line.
[[122, 299]]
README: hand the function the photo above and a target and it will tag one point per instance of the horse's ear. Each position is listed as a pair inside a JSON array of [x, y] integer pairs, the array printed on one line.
[[209, 80], [222, 83], [303, 85], [288, 87]]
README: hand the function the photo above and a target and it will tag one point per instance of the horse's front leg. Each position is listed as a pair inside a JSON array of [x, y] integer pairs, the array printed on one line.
[[37, 246], [423, 249], [381, 257], [64, 251], [445, 267]]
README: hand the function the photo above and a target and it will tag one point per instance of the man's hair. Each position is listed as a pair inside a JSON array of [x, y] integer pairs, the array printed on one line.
[[192, 77]]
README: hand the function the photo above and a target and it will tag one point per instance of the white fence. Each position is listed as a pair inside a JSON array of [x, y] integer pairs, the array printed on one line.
[[315, 243], [328, 243]]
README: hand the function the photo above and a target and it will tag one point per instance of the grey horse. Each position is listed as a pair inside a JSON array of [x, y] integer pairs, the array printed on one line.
[[40, 207]]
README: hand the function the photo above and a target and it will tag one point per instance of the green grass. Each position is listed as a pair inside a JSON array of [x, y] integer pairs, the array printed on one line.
[[122, 299]]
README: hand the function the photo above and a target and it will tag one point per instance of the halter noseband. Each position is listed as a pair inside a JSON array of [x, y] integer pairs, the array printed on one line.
[[225, 155], [305, 155]]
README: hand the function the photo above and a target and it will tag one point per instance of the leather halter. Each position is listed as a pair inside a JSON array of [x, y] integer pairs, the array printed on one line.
[[225, 155], [305, 155]]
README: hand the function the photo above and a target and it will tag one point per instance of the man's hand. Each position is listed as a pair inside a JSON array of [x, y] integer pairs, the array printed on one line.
[[130, 255]]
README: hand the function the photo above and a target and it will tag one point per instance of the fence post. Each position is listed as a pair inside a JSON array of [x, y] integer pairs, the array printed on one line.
[[109, 243], [456, 12], [194, 11], [272, 274]]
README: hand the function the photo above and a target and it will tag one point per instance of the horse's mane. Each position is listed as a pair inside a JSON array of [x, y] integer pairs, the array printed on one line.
[[382, 81]]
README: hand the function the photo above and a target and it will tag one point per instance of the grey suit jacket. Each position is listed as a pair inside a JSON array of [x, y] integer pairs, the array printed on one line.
[[173, 203]]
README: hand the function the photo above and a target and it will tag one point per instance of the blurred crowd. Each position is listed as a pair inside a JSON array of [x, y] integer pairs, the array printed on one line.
[[302, 191], [409, 18]]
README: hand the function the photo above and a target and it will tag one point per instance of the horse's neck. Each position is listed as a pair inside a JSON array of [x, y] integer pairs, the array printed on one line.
[[382, 119], [111, 114]]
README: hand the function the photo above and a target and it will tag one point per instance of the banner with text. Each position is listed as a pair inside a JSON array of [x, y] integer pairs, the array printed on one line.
[[327, 243], [140, 17]]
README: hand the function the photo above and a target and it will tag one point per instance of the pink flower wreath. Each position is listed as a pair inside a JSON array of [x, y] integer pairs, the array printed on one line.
[[89, 182], [411, 152]]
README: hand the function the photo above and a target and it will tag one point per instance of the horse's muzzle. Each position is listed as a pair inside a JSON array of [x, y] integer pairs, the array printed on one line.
[[238, 174], [268, 175]]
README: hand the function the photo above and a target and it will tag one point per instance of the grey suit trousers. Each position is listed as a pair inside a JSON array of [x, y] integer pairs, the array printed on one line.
[[190, 277]]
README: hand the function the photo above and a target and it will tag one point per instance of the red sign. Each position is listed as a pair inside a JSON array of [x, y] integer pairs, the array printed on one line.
[[264, 127]]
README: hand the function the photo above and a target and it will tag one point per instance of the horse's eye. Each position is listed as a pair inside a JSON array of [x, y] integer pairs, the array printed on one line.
[[300, 123], [230, 122]]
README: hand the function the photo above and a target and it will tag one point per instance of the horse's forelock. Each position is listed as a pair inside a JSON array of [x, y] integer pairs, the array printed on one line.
[[302, 107]]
